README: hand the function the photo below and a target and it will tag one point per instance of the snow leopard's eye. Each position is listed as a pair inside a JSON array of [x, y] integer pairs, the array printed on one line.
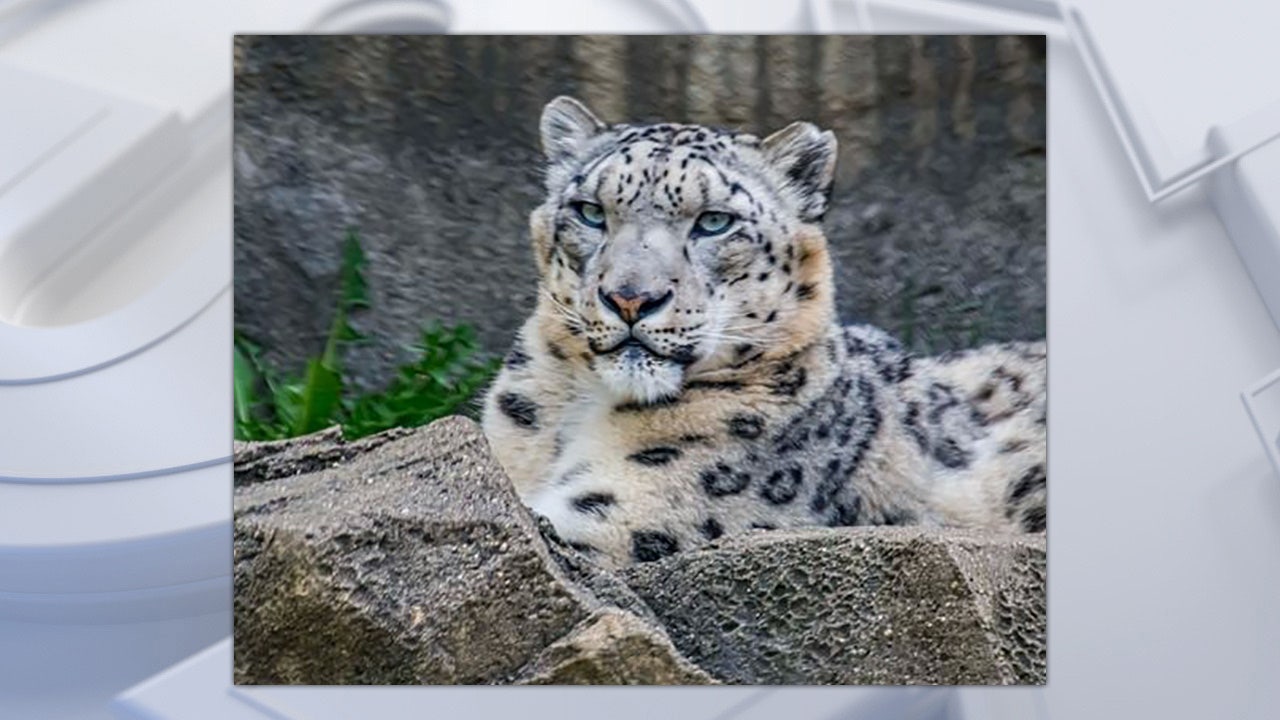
[[712, 223], [591, 214]]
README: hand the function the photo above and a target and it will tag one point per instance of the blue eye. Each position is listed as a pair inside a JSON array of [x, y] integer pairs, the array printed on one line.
[[712, 223], [591, 214]]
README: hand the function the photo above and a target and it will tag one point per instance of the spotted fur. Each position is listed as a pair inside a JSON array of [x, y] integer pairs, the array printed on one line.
[[674, 386]]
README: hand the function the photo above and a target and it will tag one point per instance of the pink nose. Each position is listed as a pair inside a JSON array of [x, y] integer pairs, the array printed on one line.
[[633, 305]]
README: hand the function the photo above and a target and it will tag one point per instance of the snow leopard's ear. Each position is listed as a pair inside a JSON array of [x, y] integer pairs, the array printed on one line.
[[566, 125], [806, 157]]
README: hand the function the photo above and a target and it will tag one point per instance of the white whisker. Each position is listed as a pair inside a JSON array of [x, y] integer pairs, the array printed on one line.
[[570, 315]]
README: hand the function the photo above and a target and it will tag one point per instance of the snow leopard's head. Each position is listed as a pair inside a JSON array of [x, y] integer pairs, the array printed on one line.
[[673, 252]]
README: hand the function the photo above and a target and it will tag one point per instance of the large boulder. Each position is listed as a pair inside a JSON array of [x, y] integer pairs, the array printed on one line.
[[411, 563], [857, 606], [406, 557]]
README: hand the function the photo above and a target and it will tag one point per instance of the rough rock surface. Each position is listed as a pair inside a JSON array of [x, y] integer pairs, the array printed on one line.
[[614, 647], [428, 146], [261, 461], [857, 606], [410, 564], [407, 558]]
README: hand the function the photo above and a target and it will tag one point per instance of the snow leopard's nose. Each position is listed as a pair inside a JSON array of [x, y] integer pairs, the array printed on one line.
[[634, 305]]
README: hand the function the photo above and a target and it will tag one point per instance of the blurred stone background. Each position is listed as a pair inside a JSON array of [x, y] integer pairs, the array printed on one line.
[[427, 146]]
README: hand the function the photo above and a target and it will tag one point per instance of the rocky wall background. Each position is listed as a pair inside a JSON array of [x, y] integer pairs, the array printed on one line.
[[427, 145]]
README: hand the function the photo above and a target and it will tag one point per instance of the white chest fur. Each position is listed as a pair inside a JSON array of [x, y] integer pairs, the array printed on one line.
[[587, 441]]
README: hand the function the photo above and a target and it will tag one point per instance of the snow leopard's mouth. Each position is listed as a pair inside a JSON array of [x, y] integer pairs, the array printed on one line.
[[632, 346], [638, 374], [635, 348]]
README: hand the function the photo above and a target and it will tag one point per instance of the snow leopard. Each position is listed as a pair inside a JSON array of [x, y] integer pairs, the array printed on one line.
[[684, 375]]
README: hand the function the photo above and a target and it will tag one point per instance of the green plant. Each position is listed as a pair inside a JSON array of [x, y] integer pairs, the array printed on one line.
[[447, 373], [444, 378]]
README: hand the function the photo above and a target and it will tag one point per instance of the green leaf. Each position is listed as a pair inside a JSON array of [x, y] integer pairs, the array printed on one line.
[[319, 399], [254, 412], [355, 292], [245, 385]]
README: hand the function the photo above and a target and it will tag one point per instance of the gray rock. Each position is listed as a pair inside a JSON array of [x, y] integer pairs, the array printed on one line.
[[614, 647], [586, 574], [406, 557], [256, 462], [857, 606], [413, 562]]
